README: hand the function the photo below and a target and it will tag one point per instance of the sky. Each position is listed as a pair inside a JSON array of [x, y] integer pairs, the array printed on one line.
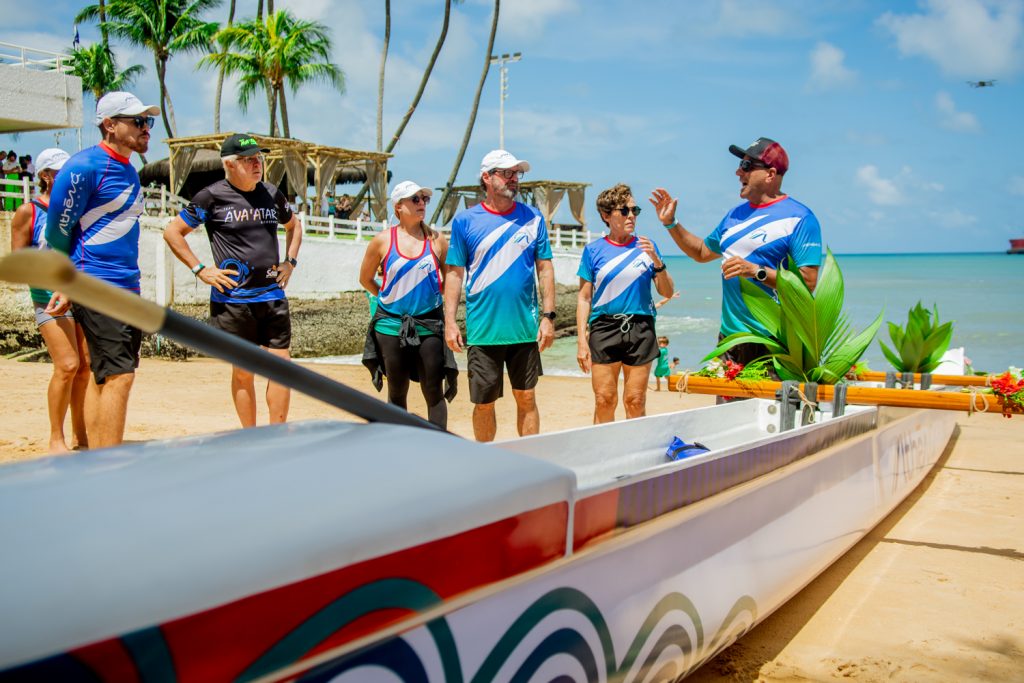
[[889, 145]]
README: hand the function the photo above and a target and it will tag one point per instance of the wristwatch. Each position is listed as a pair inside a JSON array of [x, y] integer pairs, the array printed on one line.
[[761, 274], [659, 269], [292, 261], [550, 315]]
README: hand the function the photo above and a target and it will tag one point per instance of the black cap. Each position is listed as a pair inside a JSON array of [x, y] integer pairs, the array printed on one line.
[[243, 145], [767, 151]]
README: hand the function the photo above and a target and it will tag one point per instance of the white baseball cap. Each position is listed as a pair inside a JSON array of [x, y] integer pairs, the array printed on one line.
[[499, 158], [119, 103], [406, 189], [51, 158]]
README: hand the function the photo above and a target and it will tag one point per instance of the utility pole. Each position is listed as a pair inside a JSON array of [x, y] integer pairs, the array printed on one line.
[[502, 61]]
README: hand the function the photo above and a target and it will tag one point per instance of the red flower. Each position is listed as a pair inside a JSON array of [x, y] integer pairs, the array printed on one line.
[[1010, 390], [732, 369]]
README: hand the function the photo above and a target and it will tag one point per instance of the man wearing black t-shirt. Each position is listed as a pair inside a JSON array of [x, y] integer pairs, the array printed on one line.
[[241, 214]]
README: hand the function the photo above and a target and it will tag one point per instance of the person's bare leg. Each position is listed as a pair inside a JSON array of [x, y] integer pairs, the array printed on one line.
[[279, 397], [604, 378], [79, 386], [634, 389], [106, 408], [59, 337], [243, 394], [527, 414], [485, 424]]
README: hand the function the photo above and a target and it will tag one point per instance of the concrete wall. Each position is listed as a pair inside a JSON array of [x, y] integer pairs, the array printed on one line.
[[31, 99], [326, 267]]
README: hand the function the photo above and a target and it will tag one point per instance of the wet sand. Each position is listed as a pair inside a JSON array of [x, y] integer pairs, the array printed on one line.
[[934, 593]]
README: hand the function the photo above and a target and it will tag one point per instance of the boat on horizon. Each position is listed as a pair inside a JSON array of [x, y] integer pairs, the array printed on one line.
[[1016, 246]]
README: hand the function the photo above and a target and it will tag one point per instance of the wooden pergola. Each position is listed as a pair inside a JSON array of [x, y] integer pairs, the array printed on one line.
[[289, 157], [546, 195]]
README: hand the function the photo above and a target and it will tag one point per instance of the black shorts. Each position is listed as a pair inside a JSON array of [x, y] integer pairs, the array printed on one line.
[[484, 366], [266, 323], [630, 342], [113, 346]]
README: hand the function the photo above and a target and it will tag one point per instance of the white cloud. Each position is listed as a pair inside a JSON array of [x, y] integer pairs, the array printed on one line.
[[882, 191], [827, 68], [959, 121], [966, 38], [752, 17], [1016, 185], [526, 19], [952, 218]]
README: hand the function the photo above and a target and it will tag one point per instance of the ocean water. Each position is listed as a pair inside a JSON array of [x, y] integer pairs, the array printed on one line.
[[982, 293]]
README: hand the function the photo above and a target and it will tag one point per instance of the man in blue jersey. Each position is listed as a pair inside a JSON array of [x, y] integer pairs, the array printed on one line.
[[247, 280], [755, 238], [94, 218], [496, 246]]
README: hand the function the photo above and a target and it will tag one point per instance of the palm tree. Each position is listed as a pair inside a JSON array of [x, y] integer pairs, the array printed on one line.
[[280, 51], [165, 28], [380, 81], [220, 78], [472, 117], [419, 93], [96, 66]]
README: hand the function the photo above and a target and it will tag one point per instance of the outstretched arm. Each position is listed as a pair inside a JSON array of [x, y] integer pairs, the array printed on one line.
[[692, 246]]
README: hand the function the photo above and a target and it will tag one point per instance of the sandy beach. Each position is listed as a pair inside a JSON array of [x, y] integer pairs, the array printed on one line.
[[934, 593]]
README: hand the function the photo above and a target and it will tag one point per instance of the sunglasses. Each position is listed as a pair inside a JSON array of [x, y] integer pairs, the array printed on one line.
[[139, 121], [418, 199], [747, 165], [507, 173], [626, 210]]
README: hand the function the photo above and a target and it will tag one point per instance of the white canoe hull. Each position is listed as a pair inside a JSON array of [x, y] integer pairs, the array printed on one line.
[[668, 595]]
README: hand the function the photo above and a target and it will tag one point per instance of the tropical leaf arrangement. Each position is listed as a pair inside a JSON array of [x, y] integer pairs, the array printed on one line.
[[920, 345], [809, 337]]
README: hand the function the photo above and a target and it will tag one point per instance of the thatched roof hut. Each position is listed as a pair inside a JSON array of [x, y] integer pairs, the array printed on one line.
[[207, 169]]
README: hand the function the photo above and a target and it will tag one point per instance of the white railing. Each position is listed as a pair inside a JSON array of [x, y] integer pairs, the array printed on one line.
[[23, 190], [32, 58], [157, 201]]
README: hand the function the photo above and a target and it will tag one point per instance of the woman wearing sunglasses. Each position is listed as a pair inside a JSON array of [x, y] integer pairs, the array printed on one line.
[[614, 308], [405, 339]]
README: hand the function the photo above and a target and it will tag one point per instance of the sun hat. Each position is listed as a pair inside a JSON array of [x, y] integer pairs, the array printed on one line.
[[767, 151], [406, 189], [51, 158], [499, 158], [119, 103]]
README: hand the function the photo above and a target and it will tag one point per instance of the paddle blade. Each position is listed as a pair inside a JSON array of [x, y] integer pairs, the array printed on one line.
[[47, 269]]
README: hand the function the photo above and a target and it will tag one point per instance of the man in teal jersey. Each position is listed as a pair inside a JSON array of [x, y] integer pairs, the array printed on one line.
[[768, 229], [496, 247]]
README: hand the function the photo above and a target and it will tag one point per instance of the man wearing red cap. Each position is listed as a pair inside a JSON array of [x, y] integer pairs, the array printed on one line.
[[754, 238]]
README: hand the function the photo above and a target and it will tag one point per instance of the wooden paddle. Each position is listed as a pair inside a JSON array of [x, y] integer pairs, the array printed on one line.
[[47, 269], [942, 400]]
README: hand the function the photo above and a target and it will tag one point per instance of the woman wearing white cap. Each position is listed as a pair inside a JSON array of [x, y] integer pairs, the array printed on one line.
[[405, 339], [63, 338]]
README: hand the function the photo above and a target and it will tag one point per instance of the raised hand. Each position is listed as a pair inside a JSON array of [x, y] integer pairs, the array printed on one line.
[[665, 205]]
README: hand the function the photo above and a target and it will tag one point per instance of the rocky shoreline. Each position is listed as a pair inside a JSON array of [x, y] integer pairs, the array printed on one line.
[[327, 327]]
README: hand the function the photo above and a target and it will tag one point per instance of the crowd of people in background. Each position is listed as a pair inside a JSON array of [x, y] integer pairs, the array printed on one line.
[[15, 167], [497, 257]]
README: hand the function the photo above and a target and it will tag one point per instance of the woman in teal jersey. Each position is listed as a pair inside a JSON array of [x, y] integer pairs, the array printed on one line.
[[405, 340], [63, 338]]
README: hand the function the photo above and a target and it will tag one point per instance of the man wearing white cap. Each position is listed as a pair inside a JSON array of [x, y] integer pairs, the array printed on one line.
[[96, 202], [495, 248]]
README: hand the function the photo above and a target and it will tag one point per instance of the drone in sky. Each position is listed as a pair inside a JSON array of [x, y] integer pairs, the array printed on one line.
[[981, 84]]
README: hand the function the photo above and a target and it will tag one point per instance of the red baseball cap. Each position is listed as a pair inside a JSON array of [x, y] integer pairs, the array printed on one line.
[[767, 151]]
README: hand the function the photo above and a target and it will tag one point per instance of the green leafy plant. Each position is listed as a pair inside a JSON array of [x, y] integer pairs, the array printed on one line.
[[921, 344], [809, 337]]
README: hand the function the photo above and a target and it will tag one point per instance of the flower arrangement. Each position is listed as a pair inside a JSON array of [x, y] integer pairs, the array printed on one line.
[[727, 369], [1009, 386]]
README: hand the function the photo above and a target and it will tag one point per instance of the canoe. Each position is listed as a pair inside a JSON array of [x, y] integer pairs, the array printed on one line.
[[323, 549], [395, 551]]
